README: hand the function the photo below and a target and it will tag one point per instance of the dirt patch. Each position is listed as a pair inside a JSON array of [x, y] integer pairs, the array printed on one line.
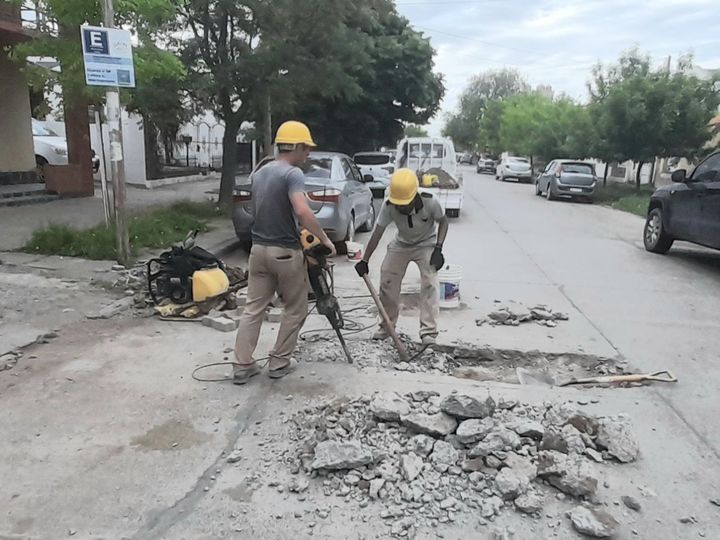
[[171, 435], [242, 493]]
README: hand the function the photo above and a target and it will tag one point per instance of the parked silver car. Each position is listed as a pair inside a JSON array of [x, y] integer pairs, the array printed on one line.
[[517, 168], [567, 178], [340, 199]]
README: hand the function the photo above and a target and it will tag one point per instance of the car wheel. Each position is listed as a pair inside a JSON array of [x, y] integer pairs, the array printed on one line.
[[40, 163], [370, 222], [656, 239], [549, 194]]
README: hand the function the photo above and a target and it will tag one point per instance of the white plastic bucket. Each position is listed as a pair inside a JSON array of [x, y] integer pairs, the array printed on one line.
[[354, 251], [449, 278]]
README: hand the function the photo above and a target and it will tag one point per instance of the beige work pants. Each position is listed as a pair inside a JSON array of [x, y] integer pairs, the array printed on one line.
[[392, 272], [273, 269]]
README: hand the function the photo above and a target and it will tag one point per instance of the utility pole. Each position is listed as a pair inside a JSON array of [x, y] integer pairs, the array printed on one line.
[[117, 165]]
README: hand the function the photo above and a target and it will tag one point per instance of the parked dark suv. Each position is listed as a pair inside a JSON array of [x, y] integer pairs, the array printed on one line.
[[688, 209]]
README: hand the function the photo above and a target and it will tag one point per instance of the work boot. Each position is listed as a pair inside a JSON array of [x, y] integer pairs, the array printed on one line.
[[428, 340], [285, 370], [242, 374], [380, 335]]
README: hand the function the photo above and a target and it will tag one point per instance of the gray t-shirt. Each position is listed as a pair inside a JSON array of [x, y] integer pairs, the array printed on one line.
[[416, 229], [275, 223]]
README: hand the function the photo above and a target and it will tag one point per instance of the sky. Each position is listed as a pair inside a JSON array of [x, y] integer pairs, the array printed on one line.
[[557, 42]]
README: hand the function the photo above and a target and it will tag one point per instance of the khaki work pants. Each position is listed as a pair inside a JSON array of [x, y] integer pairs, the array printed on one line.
[[392, 272], [273, 269]]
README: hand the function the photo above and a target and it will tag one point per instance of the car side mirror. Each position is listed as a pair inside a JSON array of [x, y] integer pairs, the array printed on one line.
[[679, 175], [368, 178]]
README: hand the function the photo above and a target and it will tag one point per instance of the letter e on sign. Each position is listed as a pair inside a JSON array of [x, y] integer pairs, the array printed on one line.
[[96, 41]]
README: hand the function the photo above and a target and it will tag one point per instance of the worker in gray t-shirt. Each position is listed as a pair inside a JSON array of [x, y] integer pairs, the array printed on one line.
[[421, 230], [277, 264]]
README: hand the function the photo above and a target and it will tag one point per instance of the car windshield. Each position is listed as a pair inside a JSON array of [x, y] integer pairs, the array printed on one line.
[[39, 130], [579, 168], [372, 159], [317, 167]]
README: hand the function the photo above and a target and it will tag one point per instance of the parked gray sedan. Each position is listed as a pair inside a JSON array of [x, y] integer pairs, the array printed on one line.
[[567, 178], [340, 199]]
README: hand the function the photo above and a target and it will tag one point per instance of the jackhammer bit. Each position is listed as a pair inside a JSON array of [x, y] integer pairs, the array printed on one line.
[[326, 303]]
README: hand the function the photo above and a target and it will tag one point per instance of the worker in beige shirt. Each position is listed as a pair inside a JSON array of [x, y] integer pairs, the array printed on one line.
[[421, 230]]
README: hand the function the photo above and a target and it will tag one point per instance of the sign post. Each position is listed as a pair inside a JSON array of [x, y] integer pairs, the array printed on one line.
[[107, 53]]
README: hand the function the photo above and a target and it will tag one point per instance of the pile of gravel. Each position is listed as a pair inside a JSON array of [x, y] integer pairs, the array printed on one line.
[[424, 461]]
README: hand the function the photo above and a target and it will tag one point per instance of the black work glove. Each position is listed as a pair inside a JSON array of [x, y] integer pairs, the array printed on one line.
[[436, 259], [362, 268]]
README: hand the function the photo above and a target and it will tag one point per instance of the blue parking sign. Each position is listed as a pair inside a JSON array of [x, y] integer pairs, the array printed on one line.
[[107, 54]]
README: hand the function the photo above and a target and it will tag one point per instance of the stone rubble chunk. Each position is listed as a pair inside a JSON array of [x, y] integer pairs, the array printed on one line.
[[221, 324], [511, 483], [234, 456], [616, 436], [566, 413], [463, 406], [631, 502], [573, 439], [530, 428], [497, 440], [375, 487], [592, 522], [411, 465], [571, 474], [474, 430], [334, 455], [530, 502], [389, 406], [490, 506], [437, 425], [421, 444], [443, 455]]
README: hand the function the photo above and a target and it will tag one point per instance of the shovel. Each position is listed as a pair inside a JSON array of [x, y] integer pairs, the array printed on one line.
[[543, 378]]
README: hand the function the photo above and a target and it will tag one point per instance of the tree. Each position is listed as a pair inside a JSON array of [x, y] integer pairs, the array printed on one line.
[[640, 113], [411, 130], [394, 71], [247, 57], [535, 125], [495, 85]]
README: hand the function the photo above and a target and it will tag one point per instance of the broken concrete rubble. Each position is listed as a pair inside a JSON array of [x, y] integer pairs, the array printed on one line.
[[592, 522], [389, 406], [463, 407], [515, 314], [615, 435], [443, 472]]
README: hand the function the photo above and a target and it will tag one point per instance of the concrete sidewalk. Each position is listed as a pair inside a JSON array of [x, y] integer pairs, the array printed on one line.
[[18, 223]]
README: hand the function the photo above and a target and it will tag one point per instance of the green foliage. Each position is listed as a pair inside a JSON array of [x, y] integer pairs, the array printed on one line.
[[156, 229], [533, 124], [394, 70], [412, 130], [640, 113], [464, 126]]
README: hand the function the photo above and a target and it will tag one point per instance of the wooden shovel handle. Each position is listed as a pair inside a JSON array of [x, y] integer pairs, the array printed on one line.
[[388, 325]]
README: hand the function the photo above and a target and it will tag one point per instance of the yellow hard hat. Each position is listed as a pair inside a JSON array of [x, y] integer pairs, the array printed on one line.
[[403, 187], [292, 132]]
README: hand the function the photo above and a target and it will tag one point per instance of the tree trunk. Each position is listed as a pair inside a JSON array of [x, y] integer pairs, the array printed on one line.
[[637, 175], [77, 126], [229, 163], [153, 167], [652, 172], [77, 132], [605, 174]]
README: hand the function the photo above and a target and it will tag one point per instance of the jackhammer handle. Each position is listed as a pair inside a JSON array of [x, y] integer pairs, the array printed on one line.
[[388, 325]]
